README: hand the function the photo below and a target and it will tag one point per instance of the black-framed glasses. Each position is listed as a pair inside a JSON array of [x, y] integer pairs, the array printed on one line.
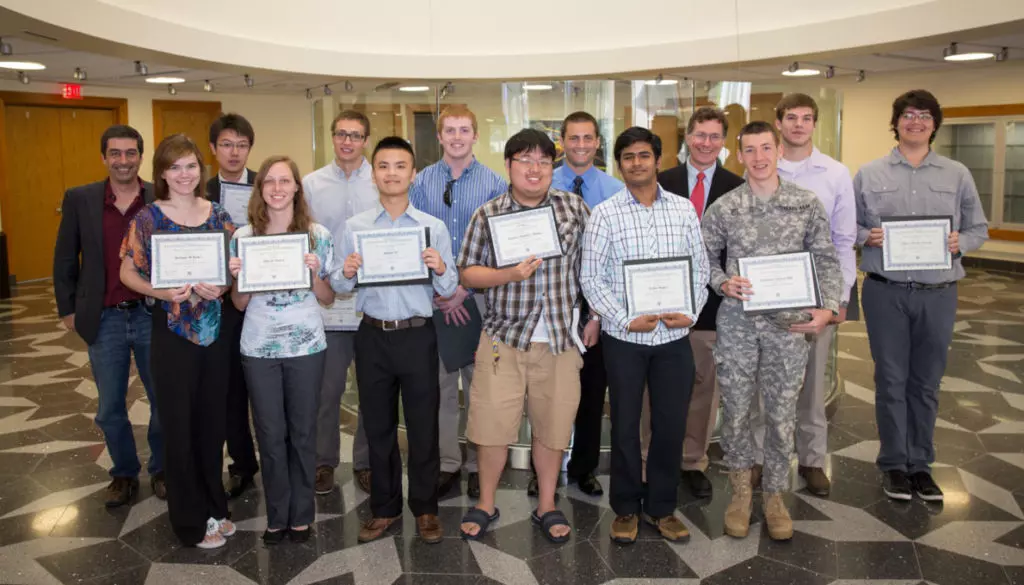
[[448, 193]]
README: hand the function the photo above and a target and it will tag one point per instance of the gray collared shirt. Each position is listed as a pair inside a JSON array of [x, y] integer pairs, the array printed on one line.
[[891, 186], [334, 197]]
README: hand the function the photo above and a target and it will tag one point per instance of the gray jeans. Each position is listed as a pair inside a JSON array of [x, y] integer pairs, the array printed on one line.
[[340, 353]]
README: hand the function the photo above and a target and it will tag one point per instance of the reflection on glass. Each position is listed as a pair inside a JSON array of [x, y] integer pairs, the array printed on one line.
[[1013, 184], [974, 146]]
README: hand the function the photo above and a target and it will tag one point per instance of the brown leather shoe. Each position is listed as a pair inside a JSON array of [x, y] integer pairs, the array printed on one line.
[[817, 482], [159, 486], [121, 491], [755, 476], [624, 529], [670, 527], [363, 479], [324, 480], [430, 528], [374, 527]]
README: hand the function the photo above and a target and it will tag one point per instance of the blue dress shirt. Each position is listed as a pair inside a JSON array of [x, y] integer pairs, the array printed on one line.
[[597, 185]]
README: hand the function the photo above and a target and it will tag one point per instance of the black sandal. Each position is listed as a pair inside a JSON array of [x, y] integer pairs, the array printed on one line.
[[482, 519], [548, 521]]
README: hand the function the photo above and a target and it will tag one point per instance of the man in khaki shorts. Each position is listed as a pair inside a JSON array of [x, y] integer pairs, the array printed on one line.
[[526, 349]]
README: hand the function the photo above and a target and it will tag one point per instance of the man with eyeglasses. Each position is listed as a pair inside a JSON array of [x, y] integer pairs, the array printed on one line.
[[335, 193], [451, 190], [702, 180], [526, 349], [231, 138], [910, 314]]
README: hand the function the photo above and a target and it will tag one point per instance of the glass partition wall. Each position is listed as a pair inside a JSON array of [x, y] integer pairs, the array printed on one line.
[[504, 108]]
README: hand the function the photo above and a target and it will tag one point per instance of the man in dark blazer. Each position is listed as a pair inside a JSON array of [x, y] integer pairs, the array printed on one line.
[[702, 180], [231, 138], [111, 318]]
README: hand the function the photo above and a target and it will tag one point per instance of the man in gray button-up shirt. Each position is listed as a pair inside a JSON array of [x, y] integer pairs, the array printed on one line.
[[910, 314]]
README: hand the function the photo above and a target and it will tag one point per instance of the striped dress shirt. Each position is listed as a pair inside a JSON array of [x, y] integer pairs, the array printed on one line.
[[622, 229]]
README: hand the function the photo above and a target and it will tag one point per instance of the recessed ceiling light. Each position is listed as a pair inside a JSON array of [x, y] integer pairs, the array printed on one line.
[[165, 80], [537, 86], [22, 65], [801, 72], [661, 82], [414, 88], [953, 53]]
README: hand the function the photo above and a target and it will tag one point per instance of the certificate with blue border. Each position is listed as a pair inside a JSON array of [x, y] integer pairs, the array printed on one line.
[[658, 286], [517, 235], [392, 257], [916, 242], [274, 262], [234, 198], [180, 258], [781, 281]]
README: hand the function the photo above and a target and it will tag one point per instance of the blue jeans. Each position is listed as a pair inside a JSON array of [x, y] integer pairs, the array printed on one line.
[[121, 333]]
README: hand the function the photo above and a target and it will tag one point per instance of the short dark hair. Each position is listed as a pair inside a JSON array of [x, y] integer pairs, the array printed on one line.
[[707, 114], [793, 101], [119, 131], [234, 122], [757, 127], [577, 117], [392, 143], [529, 140], [919, 99], [351, 115], [637, 134]]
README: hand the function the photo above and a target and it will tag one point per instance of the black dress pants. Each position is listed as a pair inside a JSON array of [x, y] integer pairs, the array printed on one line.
[[586, 443], [239, 435]]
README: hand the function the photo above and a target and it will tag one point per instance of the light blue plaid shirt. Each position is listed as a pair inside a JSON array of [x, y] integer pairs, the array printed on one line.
[[622, 229]]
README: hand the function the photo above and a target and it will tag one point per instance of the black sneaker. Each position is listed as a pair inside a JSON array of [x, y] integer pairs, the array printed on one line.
[[532, 489], [699, 484], [896, 485], [925, 487]]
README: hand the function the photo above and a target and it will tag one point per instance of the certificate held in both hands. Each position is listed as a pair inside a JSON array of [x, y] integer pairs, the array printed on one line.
[[234, 198], [271, 263], [916, 243], [180, 258], [517, 235], [392, 257], [781, 281], [659, 286]]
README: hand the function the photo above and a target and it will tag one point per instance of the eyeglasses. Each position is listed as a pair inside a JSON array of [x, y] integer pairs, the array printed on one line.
[[914, 116], [448, 193], [341, 135], [702, 137], [543, 163], [243, 146]]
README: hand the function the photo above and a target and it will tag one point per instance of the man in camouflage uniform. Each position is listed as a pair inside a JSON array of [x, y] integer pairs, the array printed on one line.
[[767, 352]]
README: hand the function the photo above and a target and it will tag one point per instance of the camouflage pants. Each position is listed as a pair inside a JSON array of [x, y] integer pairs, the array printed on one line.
[[754, 355]]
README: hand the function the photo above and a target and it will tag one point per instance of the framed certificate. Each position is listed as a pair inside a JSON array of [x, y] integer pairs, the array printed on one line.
[[782, 281], [180, 258], [654, 287], [917, 243], [392, 257], [272, 263], [517, 235], [342, 314], [234, 198]]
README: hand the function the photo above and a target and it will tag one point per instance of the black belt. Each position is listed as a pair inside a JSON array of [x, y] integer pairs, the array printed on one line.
[[126, 305], [397, 324], [914, 285]]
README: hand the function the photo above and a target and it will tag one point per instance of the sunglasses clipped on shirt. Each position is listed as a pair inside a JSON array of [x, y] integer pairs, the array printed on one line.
[[448, 192]]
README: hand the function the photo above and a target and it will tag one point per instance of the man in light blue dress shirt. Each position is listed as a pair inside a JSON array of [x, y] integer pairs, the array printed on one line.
[[451, 190], [396, 350]]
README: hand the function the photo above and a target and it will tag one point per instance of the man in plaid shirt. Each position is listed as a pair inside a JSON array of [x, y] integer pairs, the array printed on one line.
[[526, 348]]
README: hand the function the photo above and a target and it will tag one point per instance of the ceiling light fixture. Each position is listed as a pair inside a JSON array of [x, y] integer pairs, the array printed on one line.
[[23, 77], [656, 82], [1003, 54], [207, 86], [707, 87], [348, 86], [79, 74], [309, 94], [536, 86], [22, 65], [414, 88], [248, 81], [171, 90], [327, 90], [861, 76], [5, 48], [141, 69], [794, 70], [952, 53], [830, 72], [165, 79]]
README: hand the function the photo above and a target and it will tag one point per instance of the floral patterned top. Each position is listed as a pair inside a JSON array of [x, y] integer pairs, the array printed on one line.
[[286, 323], [198, 322]]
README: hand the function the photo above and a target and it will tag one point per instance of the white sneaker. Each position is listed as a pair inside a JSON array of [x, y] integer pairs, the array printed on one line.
[[226, 527], [213, 538]]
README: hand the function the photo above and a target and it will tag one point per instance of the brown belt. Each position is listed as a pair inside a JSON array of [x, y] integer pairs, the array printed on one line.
[[395, 325]]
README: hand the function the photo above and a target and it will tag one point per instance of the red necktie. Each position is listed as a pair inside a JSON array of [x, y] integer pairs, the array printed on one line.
[[697, 197]]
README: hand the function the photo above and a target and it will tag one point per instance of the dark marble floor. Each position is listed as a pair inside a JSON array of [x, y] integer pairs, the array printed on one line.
[[54, 528]]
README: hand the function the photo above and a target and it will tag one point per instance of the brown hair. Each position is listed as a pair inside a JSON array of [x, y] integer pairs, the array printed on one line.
[[708, 114], [456, 112], [302, 219], [793, 101], [352, 115], [170, 150], [757, 127]]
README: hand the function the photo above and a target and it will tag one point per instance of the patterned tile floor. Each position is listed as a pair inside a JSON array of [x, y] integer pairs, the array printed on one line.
[[54, 528]]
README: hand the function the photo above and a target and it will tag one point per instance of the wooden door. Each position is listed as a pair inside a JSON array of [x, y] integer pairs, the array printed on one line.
[[35, 188], [193, 119], [81, 129], [667, 128]]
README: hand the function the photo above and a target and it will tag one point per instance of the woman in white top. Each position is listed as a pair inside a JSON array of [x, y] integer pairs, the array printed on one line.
[[282, 348]]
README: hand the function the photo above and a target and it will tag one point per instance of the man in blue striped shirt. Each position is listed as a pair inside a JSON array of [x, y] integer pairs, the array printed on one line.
[[451, 190]]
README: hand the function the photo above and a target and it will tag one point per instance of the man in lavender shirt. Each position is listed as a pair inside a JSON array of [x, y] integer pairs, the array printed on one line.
[[803, 164]]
